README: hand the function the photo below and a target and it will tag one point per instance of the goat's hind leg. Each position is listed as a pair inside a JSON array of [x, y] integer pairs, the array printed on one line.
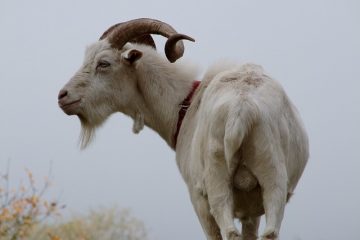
[[274, 191], [219, 190], [250, 226], [207, 221]]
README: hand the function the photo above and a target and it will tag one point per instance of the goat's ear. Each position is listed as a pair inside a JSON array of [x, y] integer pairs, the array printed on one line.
[[131, 56]]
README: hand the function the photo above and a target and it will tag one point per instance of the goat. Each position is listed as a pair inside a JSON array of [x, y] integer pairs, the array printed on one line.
[[240, 144]]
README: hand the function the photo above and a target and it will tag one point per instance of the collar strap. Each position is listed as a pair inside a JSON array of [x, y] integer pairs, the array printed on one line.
[[183, 109]]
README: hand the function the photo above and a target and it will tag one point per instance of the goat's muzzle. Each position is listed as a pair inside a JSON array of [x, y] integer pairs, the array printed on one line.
[[68, 104]]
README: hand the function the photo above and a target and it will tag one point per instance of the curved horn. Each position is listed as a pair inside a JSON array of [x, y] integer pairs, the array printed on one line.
[[144, 39], [122, 33], [173, 52]]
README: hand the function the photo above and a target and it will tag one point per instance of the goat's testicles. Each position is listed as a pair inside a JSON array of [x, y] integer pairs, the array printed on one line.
[[244, 179]]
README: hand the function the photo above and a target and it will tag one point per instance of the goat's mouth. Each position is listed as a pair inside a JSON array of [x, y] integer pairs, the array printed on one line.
[[70, 108]]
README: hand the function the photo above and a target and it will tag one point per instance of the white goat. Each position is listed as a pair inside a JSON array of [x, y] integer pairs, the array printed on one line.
[[241, 147]]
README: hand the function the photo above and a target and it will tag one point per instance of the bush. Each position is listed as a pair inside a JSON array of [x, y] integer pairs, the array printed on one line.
[[24, 214], [104, 224], [22, 208]]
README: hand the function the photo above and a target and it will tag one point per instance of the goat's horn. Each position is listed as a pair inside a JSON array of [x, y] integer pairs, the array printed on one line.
[[171, 50], [122, 33], [144, 39]]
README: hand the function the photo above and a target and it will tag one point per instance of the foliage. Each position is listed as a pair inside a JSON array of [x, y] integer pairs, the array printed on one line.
[[24, 214], [22, 208], [104, 224]]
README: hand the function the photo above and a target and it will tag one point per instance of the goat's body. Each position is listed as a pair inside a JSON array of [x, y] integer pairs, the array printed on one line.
[[241, 148], [241, 117]]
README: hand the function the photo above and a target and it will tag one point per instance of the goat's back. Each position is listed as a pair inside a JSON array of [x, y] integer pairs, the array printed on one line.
[[250, 114]]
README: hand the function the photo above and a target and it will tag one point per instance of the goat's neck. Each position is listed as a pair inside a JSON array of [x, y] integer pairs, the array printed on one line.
[[163, 92]]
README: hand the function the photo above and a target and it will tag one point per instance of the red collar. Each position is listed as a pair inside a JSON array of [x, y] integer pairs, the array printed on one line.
[[183, 108]]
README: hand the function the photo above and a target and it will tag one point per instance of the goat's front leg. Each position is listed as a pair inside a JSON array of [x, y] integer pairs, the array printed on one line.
[[207, 221], [219, 190]]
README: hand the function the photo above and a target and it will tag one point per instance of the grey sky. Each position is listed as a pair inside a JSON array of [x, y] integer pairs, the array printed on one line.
[[311, 47]]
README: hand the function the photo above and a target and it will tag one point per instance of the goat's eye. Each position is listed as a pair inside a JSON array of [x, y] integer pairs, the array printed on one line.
[[102, 64]]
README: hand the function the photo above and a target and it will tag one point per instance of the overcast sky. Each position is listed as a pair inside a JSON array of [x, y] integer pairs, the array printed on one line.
[[311, 47]]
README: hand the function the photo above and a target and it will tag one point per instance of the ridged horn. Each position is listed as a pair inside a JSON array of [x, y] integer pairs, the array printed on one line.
[[173, 52], [119, 34], [144, 39]]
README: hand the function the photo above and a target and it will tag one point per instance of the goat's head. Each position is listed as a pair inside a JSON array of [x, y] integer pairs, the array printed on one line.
[[106, 82]]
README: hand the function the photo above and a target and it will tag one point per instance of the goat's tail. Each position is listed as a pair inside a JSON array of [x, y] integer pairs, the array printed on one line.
[[239, 123]]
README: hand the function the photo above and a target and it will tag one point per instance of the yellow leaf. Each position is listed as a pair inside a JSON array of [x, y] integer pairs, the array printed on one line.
[[53, 237]]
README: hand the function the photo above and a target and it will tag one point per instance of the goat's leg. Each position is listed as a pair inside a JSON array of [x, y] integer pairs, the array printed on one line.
[[274, 189], [250, 227], [218, 184], [207, 221]]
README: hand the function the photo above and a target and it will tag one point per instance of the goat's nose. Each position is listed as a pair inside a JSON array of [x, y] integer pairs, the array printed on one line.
[[63, 93]]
